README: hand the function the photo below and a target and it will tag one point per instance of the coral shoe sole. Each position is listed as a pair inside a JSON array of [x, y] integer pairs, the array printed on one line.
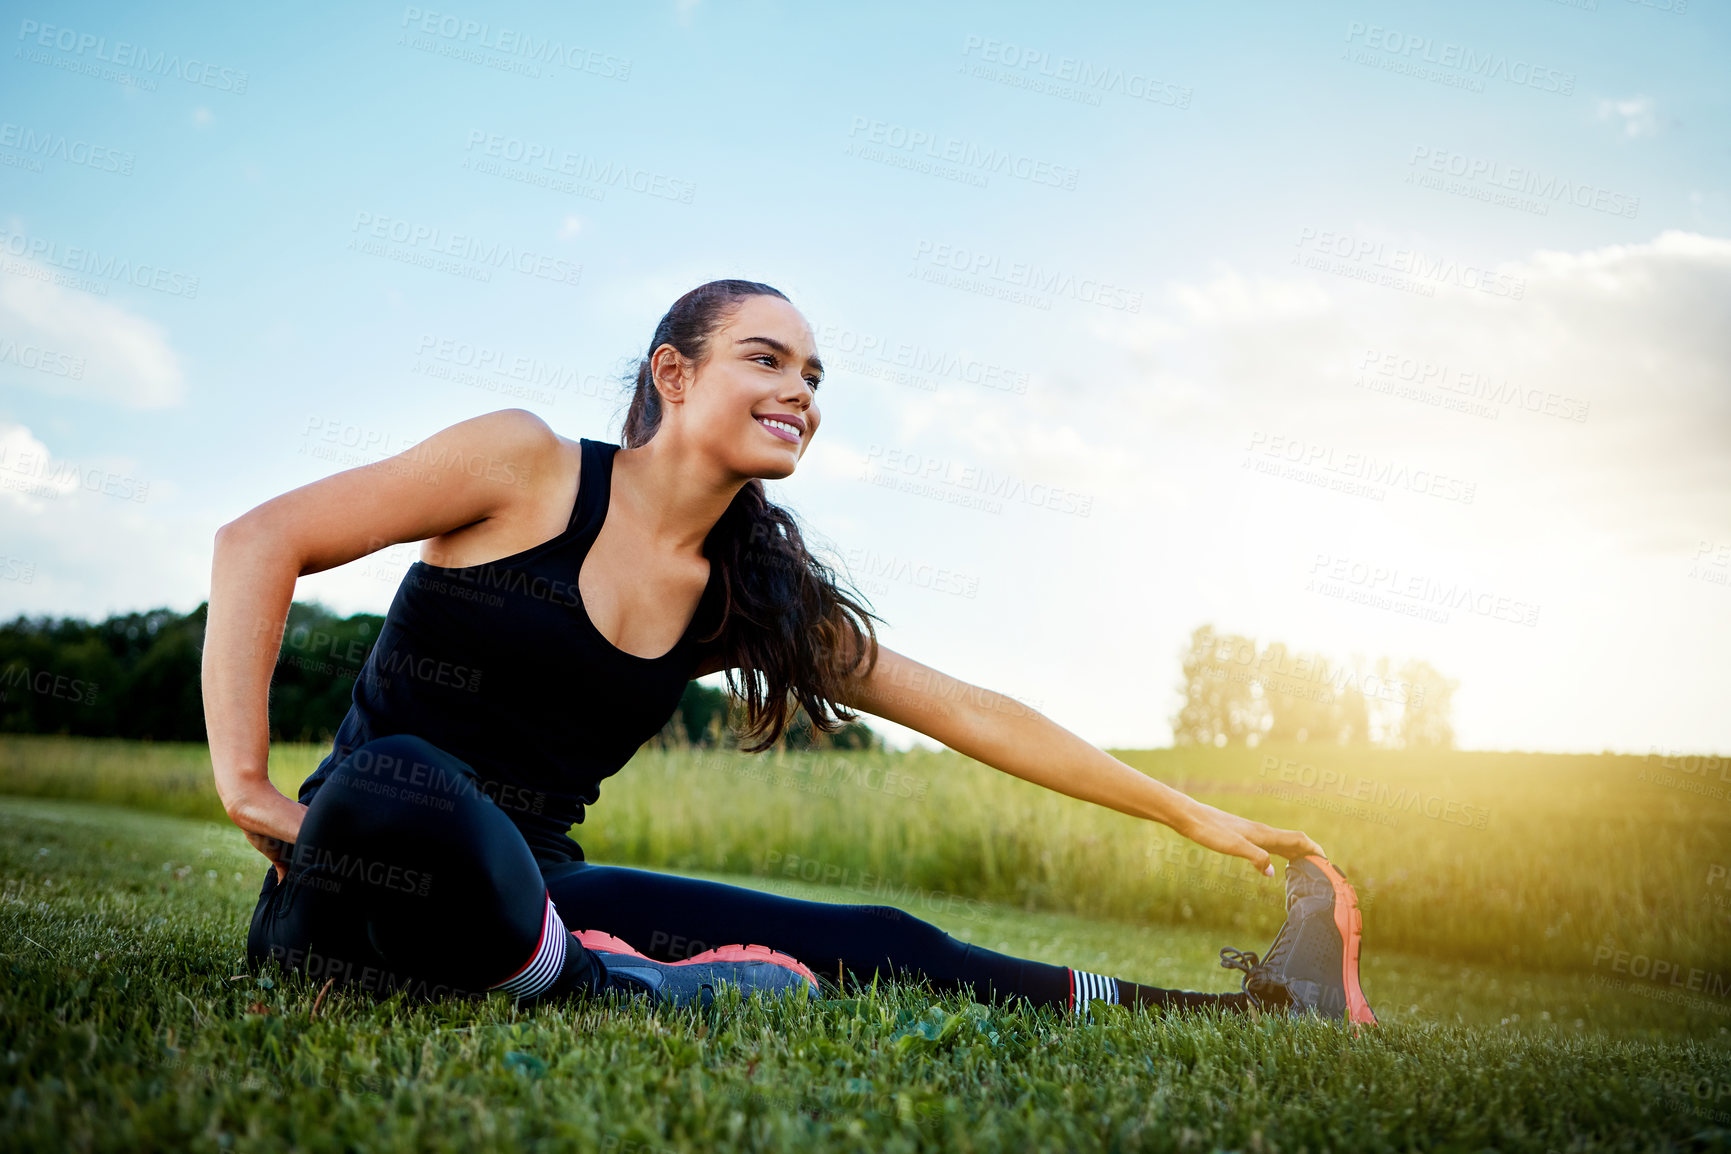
[[597, 940], [757, 954], [600, 940], [1350, 922]]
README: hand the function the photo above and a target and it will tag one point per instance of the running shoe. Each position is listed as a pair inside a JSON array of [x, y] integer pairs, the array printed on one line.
[[597, 940], [1312, 966], [696, 979]]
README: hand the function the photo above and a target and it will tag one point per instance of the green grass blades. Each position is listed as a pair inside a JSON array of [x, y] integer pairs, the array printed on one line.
[[1615, 867], [128, 1022]]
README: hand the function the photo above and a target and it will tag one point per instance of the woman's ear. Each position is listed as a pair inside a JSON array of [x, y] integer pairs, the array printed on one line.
[[669, 373]]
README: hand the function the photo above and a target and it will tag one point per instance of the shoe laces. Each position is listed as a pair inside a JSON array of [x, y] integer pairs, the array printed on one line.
[[1245, 960], [1271, 992]]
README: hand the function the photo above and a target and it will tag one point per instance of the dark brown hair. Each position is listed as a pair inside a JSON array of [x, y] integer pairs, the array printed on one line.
[[784, 623]]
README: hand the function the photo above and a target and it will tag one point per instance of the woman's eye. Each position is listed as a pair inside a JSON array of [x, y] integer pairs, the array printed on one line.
[[814, 382]]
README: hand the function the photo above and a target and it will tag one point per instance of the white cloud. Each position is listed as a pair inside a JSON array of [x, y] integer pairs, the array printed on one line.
[[570, 227], [1637, 115], [28, 478], [90, 348], [1636, 338], [91, 536]]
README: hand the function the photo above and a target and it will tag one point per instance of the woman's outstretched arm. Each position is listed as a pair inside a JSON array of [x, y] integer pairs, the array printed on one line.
[[1007, 735]]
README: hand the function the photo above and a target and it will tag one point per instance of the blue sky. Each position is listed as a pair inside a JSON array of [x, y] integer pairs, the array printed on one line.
[[1308, 312]]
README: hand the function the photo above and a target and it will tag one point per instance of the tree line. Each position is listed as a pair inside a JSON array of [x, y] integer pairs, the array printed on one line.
[[139, 676], [1235, 691]]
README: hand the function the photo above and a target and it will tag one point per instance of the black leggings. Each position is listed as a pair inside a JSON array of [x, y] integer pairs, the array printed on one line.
[[435, 892]]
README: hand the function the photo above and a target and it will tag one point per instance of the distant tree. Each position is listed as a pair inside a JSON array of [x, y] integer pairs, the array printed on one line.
[[1221, 703], [163, 700], [800, 733], [699, 720], [138, 675], [321, 657], [1235, 693], [61, 676], [1426, 722], [1308, 698]]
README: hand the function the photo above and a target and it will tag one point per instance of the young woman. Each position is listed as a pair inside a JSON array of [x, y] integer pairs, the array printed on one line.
[[567, 592]]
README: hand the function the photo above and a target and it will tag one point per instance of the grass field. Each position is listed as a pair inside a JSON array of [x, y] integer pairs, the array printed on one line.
[[1512, 964]]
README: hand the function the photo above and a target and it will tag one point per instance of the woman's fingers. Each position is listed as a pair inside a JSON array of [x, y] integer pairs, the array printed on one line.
[[273, 848], [1253, 841], [1288, 843], [1256, 856]]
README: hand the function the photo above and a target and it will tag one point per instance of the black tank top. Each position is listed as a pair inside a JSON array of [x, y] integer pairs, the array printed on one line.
[[500, 665]]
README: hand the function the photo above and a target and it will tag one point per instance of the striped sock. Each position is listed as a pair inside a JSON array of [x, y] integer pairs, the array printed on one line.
[[544, 966], [1085, 987]]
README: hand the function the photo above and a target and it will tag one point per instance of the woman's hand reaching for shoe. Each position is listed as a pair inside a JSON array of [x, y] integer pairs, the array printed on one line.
[[1253, 841]]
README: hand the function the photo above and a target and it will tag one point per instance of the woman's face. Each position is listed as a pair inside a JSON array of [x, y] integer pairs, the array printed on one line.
[[762, 365]]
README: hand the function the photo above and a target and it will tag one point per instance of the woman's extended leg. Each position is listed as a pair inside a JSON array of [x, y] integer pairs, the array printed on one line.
[[670, 918], [407, 876]]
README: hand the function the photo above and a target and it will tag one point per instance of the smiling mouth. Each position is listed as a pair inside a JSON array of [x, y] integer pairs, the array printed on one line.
[[780, 429]]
